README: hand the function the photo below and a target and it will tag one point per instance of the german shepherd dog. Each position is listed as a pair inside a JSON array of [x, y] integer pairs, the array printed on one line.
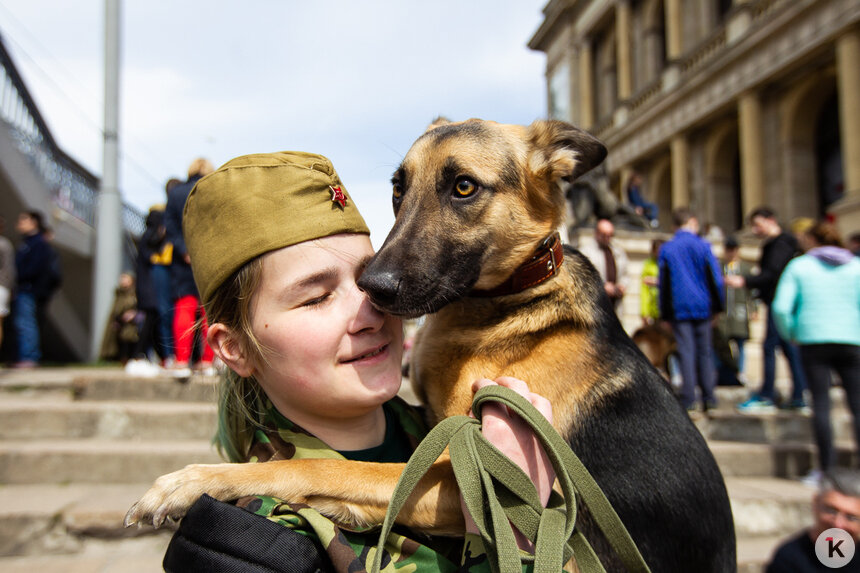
[[472, 247]]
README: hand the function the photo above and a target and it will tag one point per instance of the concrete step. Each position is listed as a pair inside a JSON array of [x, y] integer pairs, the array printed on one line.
[[196, 389], [779, 427], [789, 460], [754, 553], [769, 507], [56, 388], [29, 419], [132, 555], [97, 461], [58, 519], [109, 383], [730, 396]]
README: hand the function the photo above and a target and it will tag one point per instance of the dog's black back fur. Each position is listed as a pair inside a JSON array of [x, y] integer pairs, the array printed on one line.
[[678, 511]]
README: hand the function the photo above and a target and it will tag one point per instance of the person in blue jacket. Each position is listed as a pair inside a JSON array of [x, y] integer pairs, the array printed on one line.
[[38, 276], [691, 293]]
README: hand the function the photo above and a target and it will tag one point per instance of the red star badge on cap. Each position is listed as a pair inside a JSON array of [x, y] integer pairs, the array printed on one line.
[[337, 195]]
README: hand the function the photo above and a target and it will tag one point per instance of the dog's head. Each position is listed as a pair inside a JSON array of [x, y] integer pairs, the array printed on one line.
[[472, 201]]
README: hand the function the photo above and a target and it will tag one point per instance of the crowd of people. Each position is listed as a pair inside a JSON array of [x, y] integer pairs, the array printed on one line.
[[806, 281], [157, 323]]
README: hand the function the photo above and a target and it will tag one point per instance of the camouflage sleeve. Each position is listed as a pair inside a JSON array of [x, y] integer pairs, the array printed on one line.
[[353, 549], [474, 558]]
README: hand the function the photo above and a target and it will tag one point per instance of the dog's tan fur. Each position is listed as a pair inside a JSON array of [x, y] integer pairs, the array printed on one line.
[[535, 346]]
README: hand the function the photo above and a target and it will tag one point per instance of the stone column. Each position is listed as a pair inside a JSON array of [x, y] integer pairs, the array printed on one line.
[[624, 54], [674, 29], [586, 84], [680, 171], [572, 57], [751, 151], [847, 209], [848, 62]]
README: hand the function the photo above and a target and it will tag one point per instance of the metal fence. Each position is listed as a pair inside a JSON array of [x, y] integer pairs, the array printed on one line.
[[73, 188]]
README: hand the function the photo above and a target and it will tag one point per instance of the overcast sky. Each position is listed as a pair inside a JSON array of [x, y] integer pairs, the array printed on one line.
[[354, 80]]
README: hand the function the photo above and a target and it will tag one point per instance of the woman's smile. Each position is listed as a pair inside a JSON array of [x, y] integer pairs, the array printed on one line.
[[372, 356]]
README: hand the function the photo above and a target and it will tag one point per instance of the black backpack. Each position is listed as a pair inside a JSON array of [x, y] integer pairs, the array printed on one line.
[[217, 536]]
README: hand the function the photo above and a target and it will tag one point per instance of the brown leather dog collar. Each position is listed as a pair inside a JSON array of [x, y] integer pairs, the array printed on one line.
[[543, 265]]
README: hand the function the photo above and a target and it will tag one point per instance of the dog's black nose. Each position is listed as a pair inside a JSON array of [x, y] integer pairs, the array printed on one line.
[[382, 287]]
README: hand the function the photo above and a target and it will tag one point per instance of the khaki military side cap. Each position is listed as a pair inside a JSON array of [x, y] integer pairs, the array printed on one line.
[[259, 203]]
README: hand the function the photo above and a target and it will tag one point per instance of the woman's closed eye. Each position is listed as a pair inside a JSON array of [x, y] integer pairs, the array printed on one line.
[[316, 301]]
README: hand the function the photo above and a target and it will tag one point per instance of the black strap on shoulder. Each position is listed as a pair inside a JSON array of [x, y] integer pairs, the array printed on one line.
[[217, 536]]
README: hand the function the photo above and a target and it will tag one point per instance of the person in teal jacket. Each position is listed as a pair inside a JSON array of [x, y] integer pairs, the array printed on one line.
[[817, 306]]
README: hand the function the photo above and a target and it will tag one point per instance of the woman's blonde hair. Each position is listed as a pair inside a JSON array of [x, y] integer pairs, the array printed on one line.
[[240, 399]]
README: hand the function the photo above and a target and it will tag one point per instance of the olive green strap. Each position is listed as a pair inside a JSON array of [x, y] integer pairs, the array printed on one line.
[[498, 493]]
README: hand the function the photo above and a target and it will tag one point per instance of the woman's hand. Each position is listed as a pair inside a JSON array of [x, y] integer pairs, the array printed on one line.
[[513, 437]]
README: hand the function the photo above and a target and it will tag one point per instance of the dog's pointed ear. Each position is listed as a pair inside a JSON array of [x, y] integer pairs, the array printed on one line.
[[563, 150], [439, 121]]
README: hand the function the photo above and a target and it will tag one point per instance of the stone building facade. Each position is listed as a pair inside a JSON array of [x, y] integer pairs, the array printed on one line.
[[721, 105]]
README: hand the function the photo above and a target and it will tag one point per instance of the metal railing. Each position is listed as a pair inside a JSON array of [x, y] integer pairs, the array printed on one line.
[[703, 54], [73, 188]]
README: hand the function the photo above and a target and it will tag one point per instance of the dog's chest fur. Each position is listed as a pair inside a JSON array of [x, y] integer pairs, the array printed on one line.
[[540, 336]]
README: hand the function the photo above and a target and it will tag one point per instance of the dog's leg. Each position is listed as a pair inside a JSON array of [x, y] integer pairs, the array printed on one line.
[[351, 492]]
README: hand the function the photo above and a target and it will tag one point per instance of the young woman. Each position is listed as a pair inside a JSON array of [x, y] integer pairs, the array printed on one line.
[[817, 306], [276, 246]]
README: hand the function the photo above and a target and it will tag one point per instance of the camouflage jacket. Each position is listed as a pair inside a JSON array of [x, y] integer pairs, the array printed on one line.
[[352, 549]]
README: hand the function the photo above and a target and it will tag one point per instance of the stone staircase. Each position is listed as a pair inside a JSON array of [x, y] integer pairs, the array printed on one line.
[[762, 458], [79, 446]]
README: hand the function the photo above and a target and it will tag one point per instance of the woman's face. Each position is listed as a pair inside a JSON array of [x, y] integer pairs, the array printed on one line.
[[328, 351]]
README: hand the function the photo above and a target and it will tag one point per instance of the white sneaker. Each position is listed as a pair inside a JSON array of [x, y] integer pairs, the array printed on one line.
[[142, 368], [180, 371]]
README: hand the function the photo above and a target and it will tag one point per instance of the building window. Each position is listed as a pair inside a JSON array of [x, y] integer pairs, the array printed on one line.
[[606, 74], [828, 151], [559, 93], [723, 9]]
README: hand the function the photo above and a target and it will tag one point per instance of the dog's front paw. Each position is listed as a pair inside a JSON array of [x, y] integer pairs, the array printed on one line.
[[173, 494]]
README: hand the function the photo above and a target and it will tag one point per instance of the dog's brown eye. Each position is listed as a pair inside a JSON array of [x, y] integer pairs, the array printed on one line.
[[397, 189], [465, 187]]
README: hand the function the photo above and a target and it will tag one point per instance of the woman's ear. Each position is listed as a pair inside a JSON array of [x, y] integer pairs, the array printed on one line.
[[225, 345]]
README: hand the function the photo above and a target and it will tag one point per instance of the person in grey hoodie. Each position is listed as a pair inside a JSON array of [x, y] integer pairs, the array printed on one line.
[[817, 306]]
